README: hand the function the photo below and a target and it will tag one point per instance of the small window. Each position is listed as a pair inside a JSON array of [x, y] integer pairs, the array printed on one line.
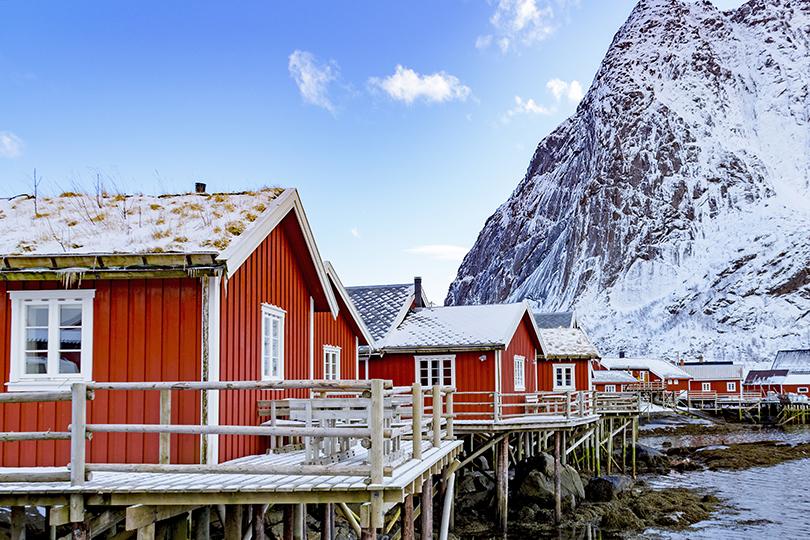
[[331, 363], [52, 338], [433, 370], [272, 342], [563, 377], [731, 387], [610, 388], [520, 373], [802, 389], [706, 387]]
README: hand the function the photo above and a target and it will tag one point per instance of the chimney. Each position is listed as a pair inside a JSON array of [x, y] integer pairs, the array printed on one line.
[[417, 292], [199, 187], [621, 354]]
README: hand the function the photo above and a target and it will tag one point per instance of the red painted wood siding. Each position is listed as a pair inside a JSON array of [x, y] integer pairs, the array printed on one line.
[[273, 274], [718, 386], [600, 387], [523, 344], [143, 330], [546, 373], [337, 332]]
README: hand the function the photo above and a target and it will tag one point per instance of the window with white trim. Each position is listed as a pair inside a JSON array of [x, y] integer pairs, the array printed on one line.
[[564, 377], [802, 390], [436, 370], [706, 387], [272, 342], [331, 362], [520, 372], [52, 338], [610, 388], [731, 387]]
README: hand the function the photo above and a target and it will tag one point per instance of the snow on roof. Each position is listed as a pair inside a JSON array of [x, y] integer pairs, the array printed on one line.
[[379, 305], [566, 343], [489, 325], [796, 360], [74, 223], [556, 319], [612, 376], [709, 371], [659, 367], [766, 376]]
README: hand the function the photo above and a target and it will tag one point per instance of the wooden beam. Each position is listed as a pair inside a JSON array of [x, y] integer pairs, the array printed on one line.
[[147, 532], [59, 515], [502, 484], [77, 508], [105, 521], [17, 523], [258, 521], [201, 523], [427, 509], [351, 517], [141, 515], [407, 519]]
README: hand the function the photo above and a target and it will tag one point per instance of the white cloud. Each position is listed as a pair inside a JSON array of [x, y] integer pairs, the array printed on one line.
[[312, 78], [407, 85], [572, 91], [528, 106], [355, 232], [524, 22], [440, 252], [10, 145]]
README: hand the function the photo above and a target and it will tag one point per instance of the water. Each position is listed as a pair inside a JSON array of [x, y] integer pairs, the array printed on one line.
[[797, 435]]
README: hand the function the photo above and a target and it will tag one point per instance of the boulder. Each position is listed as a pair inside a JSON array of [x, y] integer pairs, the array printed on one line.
[[606, 488], [650, 458], [538, 487]]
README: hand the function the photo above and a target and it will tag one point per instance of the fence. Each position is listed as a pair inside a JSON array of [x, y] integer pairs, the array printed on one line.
[[618, 402], [497, 406], [340, 416]]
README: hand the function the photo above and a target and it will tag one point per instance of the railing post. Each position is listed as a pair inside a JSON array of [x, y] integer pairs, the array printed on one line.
[[418, 410], [376, 417], [449, 409], [496, 402], [582, 403], [165, 441], [567, 404], [437, 416], [78, 432]]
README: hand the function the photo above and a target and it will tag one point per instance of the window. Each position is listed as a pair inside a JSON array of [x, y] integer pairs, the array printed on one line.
[[731, 387], [802, 389], [563, 377], [610, 388], [331, 362], [272, 342], [433, 370], [52, 334], [520, 373], [706, 387]]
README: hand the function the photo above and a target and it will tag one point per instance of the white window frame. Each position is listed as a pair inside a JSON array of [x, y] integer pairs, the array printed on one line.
[[19, 381], [441, 358], [801, 390], [273, 313], [327, 351], [573, 384], [731, 386], [705, 387], [610, 388], [519, 372]]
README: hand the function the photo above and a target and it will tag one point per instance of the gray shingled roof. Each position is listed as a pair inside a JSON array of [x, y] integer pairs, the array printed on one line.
[[711, 371], [612, 376], [797, 360], [379, 305], [557, 319]]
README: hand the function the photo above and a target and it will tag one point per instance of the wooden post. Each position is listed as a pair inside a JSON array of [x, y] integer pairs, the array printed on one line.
[[610, 446], [437, 416], [426, 509], [233, 522], [624, 449], [634, 437], [598, 441], [258, 522], [557, 479], [418, 410], [449, 409], [164, 445], [564, 448], [78, 432], [289, 522], [148, 532], [201, 523], [407, 518], [377, 453], [327, 523], [17, 523], [368, 533], [300, 520], [502, 484]]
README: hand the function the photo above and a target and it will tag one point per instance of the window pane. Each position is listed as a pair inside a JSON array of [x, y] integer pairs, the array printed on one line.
[[36, 363], [36, 339], [37, 316], [70, 338], [70, 362], [70, 315]]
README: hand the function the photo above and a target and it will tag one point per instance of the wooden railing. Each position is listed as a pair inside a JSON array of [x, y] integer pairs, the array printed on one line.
[[339, 416], [618, 402], [495, 406], [654, 386]]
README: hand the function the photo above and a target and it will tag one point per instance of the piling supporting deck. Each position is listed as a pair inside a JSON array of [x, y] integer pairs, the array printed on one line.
[[502, 483]]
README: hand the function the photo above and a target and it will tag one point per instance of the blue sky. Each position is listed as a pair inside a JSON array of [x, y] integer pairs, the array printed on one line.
[[403, 125]]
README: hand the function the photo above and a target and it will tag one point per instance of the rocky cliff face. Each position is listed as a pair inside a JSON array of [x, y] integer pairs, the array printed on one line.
[[673, 209]]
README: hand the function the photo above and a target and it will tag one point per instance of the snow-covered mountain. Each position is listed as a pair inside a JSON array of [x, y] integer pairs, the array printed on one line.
[[673, 209]]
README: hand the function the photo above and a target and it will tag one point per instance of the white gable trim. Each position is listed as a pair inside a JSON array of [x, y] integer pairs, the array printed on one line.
[[330, 271], [241, 248]]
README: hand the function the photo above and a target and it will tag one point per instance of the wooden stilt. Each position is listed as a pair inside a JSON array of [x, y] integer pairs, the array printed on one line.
[[233, 522], [327, 523], [258, 522], [557, 479], [564, 456], [502, 484], [201, 523], [147, 532], [598, 441], [407, 518], [17, 523], [300, 519], [624, 449], [610, 446], [634, 438], [178, 528], [368, 533], [289, 521], [426, 509]]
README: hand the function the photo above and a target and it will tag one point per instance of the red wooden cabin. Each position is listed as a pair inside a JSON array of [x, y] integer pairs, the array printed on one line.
[[659, 372], [720, 378], [566, 361], [224, 286], [609, 380]]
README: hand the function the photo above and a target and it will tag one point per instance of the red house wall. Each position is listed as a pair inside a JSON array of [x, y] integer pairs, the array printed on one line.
[[525, 345], [272, 274], [600, 387], [679, 384], [143, 330], [718, 386], [546, 373], [337, 332]]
